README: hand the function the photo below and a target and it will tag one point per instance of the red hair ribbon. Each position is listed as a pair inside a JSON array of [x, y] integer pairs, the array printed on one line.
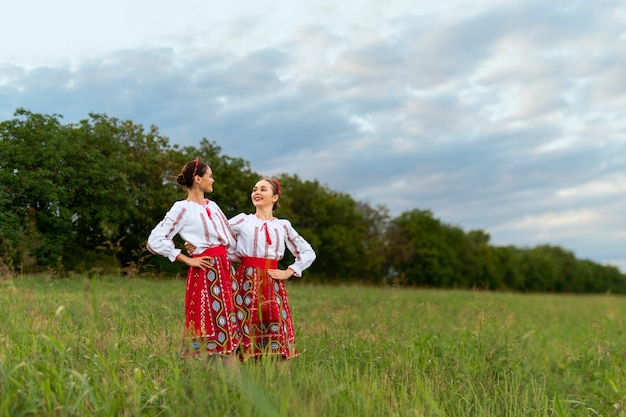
[[195, 169], [276, 184]]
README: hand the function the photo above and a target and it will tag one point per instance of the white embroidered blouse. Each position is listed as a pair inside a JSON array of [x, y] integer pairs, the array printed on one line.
[[267, 239], [203, 225]]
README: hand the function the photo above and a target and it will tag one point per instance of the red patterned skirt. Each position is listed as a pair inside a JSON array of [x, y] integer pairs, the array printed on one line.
[[211, 325], [265, 319]]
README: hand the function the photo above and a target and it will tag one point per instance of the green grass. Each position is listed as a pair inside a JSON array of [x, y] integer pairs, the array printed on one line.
[[109, 347]]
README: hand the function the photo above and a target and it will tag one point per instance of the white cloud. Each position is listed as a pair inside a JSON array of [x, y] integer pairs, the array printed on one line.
[[503, 116], [612, 187]]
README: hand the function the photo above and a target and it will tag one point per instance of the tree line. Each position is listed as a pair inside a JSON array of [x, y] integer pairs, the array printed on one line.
[[83, 197]]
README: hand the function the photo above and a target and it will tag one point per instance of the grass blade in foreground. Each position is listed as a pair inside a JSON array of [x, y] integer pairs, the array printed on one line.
[[73, 347]]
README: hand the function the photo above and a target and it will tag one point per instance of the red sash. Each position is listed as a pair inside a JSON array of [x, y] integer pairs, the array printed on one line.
[[261, 263], [212, 252]]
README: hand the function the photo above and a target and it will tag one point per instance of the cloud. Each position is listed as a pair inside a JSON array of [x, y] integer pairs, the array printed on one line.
[[505, 117]]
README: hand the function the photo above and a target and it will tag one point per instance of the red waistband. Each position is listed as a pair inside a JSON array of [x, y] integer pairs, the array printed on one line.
[[262, 263], [212, 252]]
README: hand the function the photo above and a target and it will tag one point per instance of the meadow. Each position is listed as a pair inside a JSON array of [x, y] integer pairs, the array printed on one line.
[[109, 346]]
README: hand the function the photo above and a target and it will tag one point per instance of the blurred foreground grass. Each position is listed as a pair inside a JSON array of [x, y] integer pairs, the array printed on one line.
[[109, 347]]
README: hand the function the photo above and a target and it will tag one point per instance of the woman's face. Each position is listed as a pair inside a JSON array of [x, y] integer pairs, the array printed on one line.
[[263, 194], [206, 181]]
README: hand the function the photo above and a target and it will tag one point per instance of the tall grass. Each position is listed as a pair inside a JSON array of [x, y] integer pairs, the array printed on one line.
[[110, 347]]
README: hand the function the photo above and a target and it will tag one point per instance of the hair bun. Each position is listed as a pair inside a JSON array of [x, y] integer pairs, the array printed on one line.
[[181, 179]]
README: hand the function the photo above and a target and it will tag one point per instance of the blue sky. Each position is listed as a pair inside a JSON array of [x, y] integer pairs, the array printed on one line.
[[505, 116]]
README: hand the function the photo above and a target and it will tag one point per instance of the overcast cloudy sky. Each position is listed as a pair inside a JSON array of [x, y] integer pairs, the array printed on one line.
[[505, 116]]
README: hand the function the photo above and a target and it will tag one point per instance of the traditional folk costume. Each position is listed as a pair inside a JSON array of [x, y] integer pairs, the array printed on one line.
[[211, 325], [266, 324]]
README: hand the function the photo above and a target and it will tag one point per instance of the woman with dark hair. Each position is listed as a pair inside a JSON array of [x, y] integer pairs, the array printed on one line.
[[211, 326], [266, 322]]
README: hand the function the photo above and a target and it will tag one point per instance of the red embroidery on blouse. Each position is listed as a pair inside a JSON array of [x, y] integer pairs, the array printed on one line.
[[175, 223], [227, 231], [255, 244], [296, 250], [205, 226], [241, 220]]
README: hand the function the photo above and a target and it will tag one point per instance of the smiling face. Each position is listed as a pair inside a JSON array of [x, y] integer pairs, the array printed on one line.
[[263, 194]]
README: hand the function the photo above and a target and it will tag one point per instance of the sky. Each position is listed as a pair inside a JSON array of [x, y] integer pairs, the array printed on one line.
[[501, 116]]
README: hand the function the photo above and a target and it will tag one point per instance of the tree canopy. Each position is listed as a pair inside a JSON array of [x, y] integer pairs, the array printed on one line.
[[84, 197]]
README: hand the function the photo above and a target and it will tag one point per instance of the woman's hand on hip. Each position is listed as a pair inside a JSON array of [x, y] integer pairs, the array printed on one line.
[[280, 274]]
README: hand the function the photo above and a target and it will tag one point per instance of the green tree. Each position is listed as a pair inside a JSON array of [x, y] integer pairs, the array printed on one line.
[[337, 227], [373, 266], [141, 184], [478, 262], [11, 236], [419, 250], [85, 196], [508, 264], [78, 190], [33, 152]]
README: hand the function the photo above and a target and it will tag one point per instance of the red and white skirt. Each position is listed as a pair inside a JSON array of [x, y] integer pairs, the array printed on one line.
[[211, 325], [265, 317]]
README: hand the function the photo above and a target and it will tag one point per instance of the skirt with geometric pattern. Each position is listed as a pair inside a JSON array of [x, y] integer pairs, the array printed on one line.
[[211, 325], [266, 323]]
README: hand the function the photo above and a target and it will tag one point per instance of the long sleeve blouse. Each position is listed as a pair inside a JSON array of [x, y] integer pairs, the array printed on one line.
[[267, 239], [203, 225]]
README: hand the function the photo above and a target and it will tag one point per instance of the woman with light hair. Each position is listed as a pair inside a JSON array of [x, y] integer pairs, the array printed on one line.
[[266, 325]]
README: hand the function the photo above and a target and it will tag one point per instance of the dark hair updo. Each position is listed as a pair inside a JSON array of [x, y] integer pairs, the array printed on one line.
[[189, 172]]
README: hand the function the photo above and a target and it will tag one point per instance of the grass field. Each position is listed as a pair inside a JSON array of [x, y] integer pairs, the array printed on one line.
[[109, 347]]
